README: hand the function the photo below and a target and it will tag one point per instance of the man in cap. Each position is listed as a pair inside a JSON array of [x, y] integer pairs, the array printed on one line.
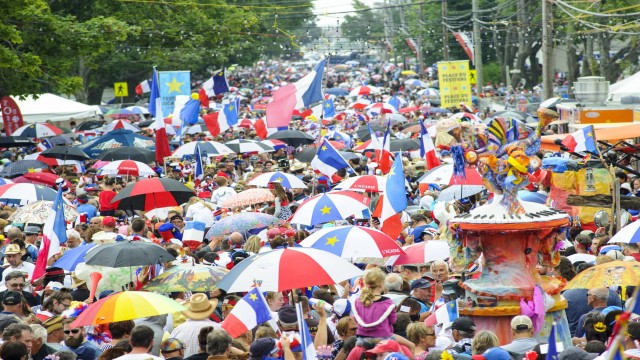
[[15, 281], [12, 303], [13, 255], [426, 291], [463, 330], [172, 349], [55, 334], [288, 321], [199, 308], [523, 340], [81, 292], [75, 339], [263, 348], [30, 236], [109, 224]]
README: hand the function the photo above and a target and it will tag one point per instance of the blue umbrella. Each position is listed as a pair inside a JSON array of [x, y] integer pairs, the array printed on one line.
[[115, 139], [71, 258], [337, 91]]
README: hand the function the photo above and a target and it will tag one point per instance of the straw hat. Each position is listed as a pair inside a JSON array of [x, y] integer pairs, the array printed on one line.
[[297, 165], [200, 307], [76, 281]]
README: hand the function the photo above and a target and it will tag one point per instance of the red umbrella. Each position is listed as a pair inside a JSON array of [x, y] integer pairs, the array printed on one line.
[[408, 109], [42, 178], [152, 193]]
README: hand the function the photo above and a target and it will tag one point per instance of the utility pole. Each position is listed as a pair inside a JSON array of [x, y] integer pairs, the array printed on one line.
[[420, 41], [547, 51], [477, 47], [445, 32]]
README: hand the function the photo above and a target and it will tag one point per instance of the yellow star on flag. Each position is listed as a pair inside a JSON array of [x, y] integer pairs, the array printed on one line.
[[253, 297], [279, 179], [230, 107], [392, 172], [332, 241], [325, 210], [589, 134], [327, 105], [324, 148], [174, 85], [31, 170]]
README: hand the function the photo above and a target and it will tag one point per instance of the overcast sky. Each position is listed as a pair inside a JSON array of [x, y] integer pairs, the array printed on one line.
[[324, 9]]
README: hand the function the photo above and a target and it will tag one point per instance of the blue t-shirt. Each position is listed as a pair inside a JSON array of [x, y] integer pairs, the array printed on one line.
[[88, 209]]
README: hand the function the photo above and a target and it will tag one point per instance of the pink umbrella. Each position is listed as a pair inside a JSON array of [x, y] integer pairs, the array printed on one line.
[[248, 197], [424, 252], [100, 164]]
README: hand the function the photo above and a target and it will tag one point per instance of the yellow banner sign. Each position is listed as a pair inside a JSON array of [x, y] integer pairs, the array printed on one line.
[[455, 88]]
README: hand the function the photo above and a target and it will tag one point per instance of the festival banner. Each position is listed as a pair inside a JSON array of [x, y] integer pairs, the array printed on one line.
[[172, 84], [453, 77], [11, 115]]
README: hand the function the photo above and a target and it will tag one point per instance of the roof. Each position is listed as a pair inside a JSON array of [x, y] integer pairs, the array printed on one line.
[[604, 132]]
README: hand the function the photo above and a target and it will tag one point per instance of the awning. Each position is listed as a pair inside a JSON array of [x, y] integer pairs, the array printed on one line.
[[603, 133]]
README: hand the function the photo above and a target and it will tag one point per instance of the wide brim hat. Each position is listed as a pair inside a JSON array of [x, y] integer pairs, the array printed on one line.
[[199, 307]]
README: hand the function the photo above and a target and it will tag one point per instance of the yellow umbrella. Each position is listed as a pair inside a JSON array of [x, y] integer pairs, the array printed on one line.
[[408, 72], [614, 273]]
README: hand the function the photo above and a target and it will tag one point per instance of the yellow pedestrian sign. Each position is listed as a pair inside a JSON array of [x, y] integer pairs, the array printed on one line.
[[121, 89], [472, 77]]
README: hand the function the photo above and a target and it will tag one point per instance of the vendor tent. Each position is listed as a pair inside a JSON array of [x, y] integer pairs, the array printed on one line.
[[54, 108], [629, 87]]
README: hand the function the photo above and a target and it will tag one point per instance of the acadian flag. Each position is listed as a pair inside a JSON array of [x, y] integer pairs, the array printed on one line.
[[306, 342], [329, 109], [444, 314], [390, 207], [328, 160], [224, 119], [250, 311], [581, 140], [427, 149], [54, 233]]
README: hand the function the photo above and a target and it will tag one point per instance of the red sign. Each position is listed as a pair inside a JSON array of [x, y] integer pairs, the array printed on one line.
[[11, 116]]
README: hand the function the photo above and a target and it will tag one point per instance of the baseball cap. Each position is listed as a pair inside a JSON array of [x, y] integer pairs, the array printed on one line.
[[496, 353], [521, 322], [31, 230], [108, 221], [171, 345], [261, 348], [342, 308], [421, 284], [463, 323], [12, 298], [287, 315]]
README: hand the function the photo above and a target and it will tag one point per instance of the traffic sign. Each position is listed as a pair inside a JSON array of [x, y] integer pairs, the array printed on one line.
[[121, 89], [472, 77]]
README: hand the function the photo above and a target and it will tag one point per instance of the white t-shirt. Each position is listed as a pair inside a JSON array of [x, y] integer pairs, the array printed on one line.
[[139, 357], [199, 212], [221, 194]]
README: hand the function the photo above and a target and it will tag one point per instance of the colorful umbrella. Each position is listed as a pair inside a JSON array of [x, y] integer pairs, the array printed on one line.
[[353, 242], [5, 181], [128, 153], [21, 194], [429, 92], [241, 222], [207, 148], [127, 305], [286, 269], [372, 183], [139, 110], [611, 274], [116, 139], [424, 252], [153, 193], [38, 212], [630, 234], [380, 108], [334, 205], [241, 146], [288, 181], [38, 131], [22, 167], [127, 168], [183, 278], [248, 197], [443, 175], [72, 257], [120, 124], [127, 254]]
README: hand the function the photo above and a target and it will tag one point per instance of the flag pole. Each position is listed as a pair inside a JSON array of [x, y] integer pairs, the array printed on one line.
[[324, 80]]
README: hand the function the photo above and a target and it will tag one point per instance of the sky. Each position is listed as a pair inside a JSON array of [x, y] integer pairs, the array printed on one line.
[[324, 9]]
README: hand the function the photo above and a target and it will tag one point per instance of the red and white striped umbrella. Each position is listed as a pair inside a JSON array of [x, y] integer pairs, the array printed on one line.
[[51, 161], [21, 194], [360, 104], [331, 206], [286, 269], [120, 124], [380, 108], [364, 182], [248, 197], [352, 242], [38, 130], [424, 252], [246, 123], [443, 175], [364, 90], [127, 168]]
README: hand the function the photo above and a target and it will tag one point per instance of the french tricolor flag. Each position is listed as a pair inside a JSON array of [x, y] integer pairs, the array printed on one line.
[[250, 311], [427, 149], [193, 234], [54, 233]]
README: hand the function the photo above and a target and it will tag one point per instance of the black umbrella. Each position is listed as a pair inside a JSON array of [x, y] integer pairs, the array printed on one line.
[[60, 140], [89, 125], [128, 153], [65, 153], [21, 167], [15, 141], [128, 253], [363, 131], [145, 123], [404, 145], [293, 138], [308, 154]]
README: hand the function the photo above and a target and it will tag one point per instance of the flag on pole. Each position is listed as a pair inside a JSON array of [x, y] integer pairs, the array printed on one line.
[[329, 109], [155, 108], [306, 341], [217, 84], [224, 119], [446, 313], [143, 88], [198, 172], [581, 140], [427, 149], [249, 311], [390, 207], [552, 351], [328, 160], [54, 233], [193, 234]]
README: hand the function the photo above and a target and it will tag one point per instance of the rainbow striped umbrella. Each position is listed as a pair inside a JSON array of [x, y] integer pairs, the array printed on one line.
[[127, 305]]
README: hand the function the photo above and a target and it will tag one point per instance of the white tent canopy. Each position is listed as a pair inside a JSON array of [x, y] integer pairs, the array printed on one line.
[[53, 108], [626, 87]]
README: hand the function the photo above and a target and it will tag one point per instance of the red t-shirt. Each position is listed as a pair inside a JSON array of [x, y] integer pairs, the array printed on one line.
[[104, 200]]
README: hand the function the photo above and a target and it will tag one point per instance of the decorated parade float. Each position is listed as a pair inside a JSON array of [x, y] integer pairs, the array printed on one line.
[[509, 237]]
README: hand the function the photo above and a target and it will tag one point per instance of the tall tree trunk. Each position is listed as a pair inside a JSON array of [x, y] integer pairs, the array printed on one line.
[[498, 50], [524, 44], [535, 65], [604, 47], [587, 58], [572, 59], [83, 95]]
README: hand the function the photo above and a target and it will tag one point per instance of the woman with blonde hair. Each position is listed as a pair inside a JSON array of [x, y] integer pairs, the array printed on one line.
[[253, 244], [423, 336], [483, 340], [198, 210], [374, 313]]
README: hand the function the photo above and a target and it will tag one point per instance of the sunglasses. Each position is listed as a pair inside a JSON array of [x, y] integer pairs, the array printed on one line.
[[74, 331]]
